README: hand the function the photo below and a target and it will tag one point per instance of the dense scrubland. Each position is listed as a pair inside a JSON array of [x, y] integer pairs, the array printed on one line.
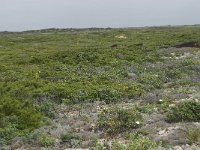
[[132, 89]]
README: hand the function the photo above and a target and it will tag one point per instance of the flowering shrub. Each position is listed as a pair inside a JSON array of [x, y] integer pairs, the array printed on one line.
[[118, 120]]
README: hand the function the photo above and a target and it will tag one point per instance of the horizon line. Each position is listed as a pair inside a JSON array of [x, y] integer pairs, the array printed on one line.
[[85, 28]]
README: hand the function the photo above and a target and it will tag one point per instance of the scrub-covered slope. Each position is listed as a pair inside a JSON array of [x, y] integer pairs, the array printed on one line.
[[100, 88]]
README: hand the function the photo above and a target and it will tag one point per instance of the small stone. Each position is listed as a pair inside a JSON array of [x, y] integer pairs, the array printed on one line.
[[194, 147], [177, 148], [92, 125], [161, 132], [56, 140], [132, 75]]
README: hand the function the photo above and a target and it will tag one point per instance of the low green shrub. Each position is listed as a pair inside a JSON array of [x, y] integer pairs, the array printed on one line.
[[193, 135], [73, 140], [8, 133], [22, 114], [188, 111], [150, 81], [109, 95], [173, 73], [148, 108], [46, 140], [17, 118], [40, 138], [46, 108], [118, 120], [137, 143], [133, 90], [163, 105]]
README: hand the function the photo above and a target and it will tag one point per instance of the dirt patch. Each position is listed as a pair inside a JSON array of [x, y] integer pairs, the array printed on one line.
[[182, 49], [114, 46], [172, 51], [188, 44]]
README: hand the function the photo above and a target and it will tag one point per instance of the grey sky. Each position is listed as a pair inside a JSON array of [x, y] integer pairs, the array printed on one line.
[[18, 15]]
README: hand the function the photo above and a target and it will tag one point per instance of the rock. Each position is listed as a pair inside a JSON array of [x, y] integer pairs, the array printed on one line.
[[161, 132], [193, 147], [132, 76], [177, 148], [186, 146]]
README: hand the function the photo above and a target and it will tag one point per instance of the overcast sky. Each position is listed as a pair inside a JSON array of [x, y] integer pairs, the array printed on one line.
[[18, 15]]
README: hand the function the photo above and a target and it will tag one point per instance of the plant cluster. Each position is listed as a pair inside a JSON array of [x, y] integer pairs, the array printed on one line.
[[71, 139], [135, 142], [116, 120], [188, 111]]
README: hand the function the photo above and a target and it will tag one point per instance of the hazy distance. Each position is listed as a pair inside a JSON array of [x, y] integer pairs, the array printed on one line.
[[19, 15]]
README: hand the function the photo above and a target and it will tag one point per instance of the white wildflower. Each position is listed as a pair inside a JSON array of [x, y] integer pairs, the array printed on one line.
[[172, 105], [137, 122]]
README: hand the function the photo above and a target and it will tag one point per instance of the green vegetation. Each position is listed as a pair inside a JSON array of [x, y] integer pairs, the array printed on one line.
[[72, 139], [17, 118], [135, 142], [49, 75], [186, 111], [118, 120], [138, 143], [148, 108], [41, 139], [45, 140], [193, 135]]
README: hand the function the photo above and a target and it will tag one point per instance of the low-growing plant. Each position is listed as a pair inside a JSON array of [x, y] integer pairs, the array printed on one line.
[[172, 74], [193, 135], [46, 108], [150, 81], [73, 140], [17, 118], [22, 114], [117, 120], [45, 140], [148, 108], [109, 96], [133, 90], [185, 111], [134, 142], [8, 133], [163, 105], [137, 143]]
